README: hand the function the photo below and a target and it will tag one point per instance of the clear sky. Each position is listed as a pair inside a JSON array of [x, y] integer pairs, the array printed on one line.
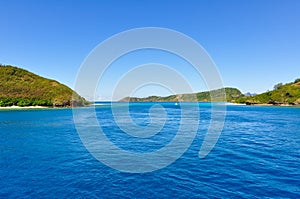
[[255, 44]]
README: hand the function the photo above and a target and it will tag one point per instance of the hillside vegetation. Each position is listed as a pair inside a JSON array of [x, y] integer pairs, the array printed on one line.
[[22, 88], [231, 94], [283, 94]]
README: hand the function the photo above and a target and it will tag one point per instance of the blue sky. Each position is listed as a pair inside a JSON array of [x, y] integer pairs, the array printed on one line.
[[255, 44]]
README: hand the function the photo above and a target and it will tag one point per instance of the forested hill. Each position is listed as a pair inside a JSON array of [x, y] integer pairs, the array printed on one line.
[[231, 94], [283, 94], [22, 88]]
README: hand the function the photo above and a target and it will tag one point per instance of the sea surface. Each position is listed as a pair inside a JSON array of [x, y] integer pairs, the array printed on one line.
[[257, 155]]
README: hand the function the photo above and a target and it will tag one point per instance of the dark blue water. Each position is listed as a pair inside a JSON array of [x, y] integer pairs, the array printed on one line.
[[257, 155]]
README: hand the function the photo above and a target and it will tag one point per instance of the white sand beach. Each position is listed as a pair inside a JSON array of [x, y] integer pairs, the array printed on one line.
[[23, 107]]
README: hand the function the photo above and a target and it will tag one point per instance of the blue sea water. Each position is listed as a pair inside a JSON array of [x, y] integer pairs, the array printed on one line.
[[256, 156]]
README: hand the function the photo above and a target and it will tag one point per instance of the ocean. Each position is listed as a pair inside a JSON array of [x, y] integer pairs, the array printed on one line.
[[42, 154]]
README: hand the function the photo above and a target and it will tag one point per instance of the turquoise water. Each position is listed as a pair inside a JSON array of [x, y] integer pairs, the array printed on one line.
[[257, 155]]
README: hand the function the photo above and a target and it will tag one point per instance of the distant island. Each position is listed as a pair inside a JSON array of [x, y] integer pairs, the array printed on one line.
[[231, 94], [19, 87], [282, 95]]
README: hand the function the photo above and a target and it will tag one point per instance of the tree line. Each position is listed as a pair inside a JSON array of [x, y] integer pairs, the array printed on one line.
[[8, 101]]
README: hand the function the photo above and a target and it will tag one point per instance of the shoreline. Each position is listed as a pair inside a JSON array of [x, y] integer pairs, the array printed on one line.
[[22, 107], [274, 105], [226, 103]]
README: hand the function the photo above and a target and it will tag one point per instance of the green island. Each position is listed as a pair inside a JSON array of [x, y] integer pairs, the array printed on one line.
[[19, 87], [218, 96], [282, 95]]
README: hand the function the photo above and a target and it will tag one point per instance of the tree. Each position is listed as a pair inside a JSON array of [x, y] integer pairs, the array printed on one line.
[[297, 80], [278, 86]]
